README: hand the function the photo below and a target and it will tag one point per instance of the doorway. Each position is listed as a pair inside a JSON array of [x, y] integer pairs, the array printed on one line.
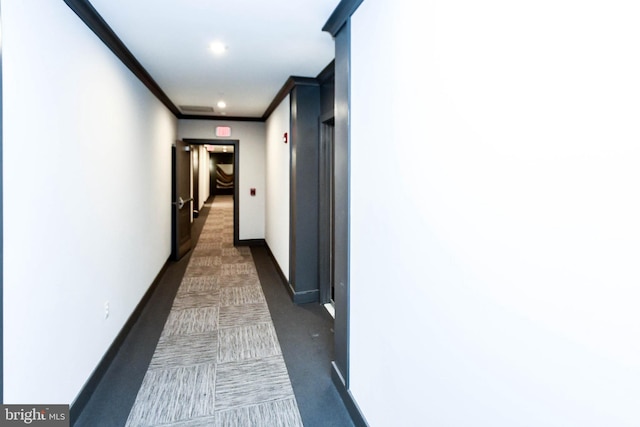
[[181, 199], [232, 147], [326, 238], [221, 160], [195, 166]]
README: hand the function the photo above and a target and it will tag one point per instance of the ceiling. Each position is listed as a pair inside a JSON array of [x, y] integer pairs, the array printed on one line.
[[266, 43]]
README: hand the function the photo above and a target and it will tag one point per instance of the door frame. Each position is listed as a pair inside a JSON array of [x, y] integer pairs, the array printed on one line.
[[326, 206], [195, 179], [236, 174], [178, 248], [340, 365]]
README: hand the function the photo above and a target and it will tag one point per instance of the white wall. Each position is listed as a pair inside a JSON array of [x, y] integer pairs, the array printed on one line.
[[201, 156], [87, 164], [204, 176], [494, 276], [278, 168], [252, 168]]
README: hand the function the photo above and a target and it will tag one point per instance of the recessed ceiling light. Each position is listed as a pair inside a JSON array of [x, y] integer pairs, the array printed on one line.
[[222, 104], [218, 47]]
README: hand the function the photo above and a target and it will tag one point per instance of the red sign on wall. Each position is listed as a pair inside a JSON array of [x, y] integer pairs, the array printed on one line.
[[223, 131]]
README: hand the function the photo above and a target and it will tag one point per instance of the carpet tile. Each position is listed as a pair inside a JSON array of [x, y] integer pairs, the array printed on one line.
[[250, 382], [218, 361], [185, 350], [247, 342], [169, 395], [278, 413], [243, 315], [239, 295]]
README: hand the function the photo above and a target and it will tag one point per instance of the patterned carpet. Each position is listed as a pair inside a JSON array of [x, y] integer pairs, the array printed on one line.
[[218, 361]]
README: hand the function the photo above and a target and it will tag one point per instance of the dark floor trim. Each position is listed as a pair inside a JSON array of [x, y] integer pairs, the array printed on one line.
[[305, 333], [347, 398], [297, 297], [92, 383], [306, 297], [252, 242], [123, 372], [285, 281]]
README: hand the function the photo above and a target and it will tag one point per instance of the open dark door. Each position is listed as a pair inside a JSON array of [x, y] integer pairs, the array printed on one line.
[[181, 200]]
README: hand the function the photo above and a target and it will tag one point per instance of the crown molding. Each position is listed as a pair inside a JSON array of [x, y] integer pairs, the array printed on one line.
[[340, 15], [90, 16], [92, 19]]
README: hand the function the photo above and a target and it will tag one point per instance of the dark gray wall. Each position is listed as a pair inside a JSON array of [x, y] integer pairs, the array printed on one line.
[[327, 92], [303, 257], [325, 183], [339, 26], [341, 180]]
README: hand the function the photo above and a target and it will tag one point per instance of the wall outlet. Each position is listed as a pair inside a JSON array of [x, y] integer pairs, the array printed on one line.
[[106, 309]]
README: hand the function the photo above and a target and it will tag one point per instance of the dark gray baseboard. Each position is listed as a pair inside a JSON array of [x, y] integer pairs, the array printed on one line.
[[347, 397], [284, 279], [305, 297], [252, 242], [90, 386], [111, 390]]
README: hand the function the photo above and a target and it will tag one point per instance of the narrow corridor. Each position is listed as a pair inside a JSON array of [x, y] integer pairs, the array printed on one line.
[[177, 343], [218, 360]]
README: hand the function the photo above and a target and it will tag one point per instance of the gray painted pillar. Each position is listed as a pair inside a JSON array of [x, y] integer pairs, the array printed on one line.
[[305, 141], [341, 180]]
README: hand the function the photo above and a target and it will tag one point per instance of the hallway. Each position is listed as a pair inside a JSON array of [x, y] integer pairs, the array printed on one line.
[[218, 360], [505, 269]]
